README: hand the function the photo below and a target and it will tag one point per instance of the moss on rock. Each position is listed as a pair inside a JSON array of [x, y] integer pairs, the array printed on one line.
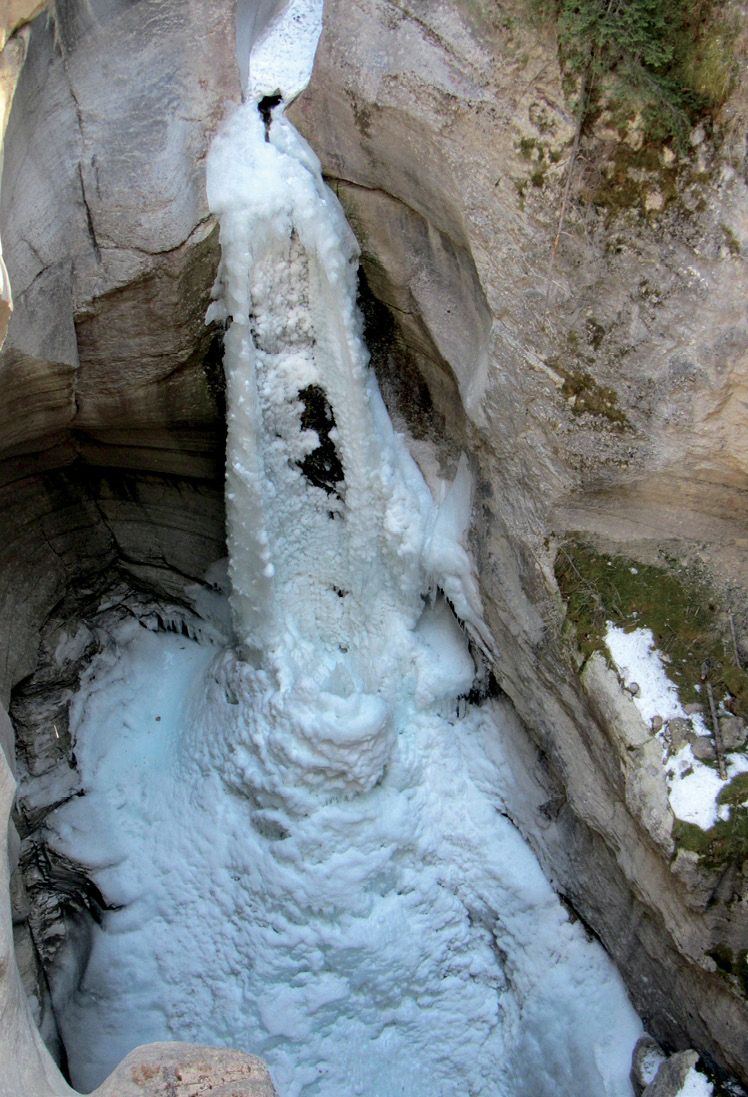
[[686, 618]]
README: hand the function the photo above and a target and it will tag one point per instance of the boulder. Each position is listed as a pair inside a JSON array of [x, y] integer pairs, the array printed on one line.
[[187, 1070], [645, 1062], [733, 731], [681, 732], [678, 1077], [703, 748]]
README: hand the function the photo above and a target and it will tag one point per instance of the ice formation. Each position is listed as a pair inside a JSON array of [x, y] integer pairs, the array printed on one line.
[[304, 837]]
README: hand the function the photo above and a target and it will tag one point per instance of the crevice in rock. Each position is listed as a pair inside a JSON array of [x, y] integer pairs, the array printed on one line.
[[89, 217], [59, 35], [266, 106]]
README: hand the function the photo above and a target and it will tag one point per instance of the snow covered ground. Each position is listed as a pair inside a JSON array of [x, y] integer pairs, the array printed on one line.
[[398, 941], [693, 787]]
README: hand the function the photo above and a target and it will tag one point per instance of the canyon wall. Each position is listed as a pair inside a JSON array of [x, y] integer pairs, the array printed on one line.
[[110, 382], [598, 387], [111, 392]]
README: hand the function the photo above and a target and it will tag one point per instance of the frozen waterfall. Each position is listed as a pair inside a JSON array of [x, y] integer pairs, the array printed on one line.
[[302, 830]]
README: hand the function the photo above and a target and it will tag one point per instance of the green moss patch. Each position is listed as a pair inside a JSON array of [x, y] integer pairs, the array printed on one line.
[[585, 395], [731, 240], [540, 157], [632, 177], [688, 623], [590, 398]]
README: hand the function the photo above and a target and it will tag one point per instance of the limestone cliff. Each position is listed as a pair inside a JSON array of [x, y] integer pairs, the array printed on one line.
[[598, 386]]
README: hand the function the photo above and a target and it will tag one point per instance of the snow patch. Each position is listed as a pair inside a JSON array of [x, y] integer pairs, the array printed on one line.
[[693, 787], [696, 1085], [281, 60]]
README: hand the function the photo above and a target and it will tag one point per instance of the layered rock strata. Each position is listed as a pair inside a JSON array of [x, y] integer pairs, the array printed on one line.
[[597, 383]]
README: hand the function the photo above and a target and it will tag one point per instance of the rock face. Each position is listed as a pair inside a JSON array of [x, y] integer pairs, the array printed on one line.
[[598, 392], [110, 383], [111, 428], [14, 36]]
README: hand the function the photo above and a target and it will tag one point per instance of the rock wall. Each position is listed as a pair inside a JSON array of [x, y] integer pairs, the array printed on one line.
[[111, 400], [111, 429], [598, 389], [14, 35]]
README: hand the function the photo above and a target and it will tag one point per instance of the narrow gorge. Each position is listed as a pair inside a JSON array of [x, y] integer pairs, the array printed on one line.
[[374, 624]]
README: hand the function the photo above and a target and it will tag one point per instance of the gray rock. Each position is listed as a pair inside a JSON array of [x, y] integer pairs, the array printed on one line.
[[703, 748], [681, 732], [656, 723], [634, 689], [733, 731], [672, 1075], [111, 255]]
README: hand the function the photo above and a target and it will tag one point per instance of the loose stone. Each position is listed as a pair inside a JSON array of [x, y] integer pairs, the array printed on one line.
[[703, 749]]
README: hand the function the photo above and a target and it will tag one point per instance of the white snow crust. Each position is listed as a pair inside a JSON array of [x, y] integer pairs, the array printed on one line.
[[638, 660], [693, 787], [304, 833], [402, 940], [696, 1085], [281, 60]]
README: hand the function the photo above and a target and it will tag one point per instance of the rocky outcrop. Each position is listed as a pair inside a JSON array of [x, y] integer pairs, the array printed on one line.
[[111, 429], [597, 388], [14, 36]]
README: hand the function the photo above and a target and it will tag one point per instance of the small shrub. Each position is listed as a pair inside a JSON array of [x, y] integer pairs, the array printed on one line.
[[667, 60]]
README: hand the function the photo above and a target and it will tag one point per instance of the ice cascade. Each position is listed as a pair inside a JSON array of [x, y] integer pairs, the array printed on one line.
[[304, 837]]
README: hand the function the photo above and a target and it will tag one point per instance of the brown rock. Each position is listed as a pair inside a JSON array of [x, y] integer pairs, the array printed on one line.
[[188, 1070], [694, 708]]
